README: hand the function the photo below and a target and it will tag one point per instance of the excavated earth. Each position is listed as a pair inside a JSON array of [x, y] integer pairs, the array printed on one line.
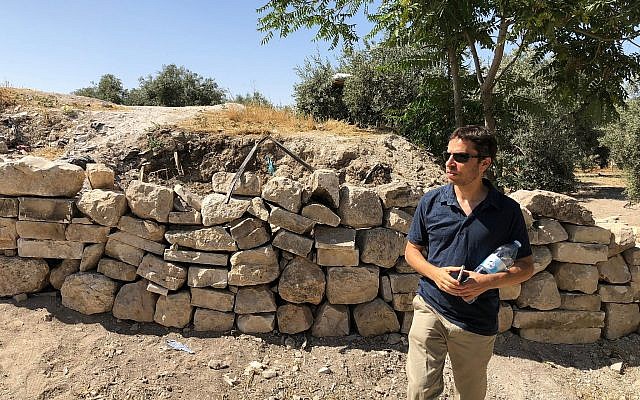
[[50, 352]]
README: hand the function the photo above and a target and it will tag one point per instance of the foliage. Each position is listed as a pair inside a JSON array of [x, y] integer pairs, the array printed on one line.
[[109, 88], [256, 98], [316, 95], [623, 138]]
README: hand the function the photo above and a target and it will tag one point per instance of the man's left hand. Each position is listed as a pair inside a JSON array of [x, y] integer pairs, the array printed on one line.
[[474, 286]]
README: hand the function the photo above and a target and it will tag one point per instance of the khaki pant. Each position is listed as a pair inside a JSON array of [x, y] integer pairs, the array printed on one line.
[[430, 338]]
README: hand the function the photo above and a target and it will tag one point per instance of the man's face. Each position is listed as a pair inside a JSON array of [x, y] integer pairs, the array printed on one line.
[[464, 173]]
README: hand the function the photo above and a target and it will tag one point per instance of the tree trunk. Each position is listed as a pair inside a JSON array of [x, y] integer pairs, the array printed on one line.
[[486, 97], [454, 69]]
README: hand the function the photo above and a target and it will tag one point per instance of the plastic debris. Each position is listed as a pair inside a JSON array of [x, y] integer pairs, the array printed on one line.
[[174, 344]]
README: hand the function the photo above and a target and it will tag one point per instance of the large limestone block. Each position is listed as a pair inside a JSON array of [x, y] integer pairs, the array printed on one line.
[[196, 257], [404, 283], [563, 319], [505, 317], [331, 320], [22, 275], [293, 243], [205, 277], [290, 221], [215, 211], [46, 210], [35, 176], [215, 238], [398, 220], [578, 253], [384, 289], [49, 249], [616, 293], [399, 194], [352, 285], [622, 237], [174, 310], [105, 207], [258, 209], [587, 234], [205, 320], [335, 238], [100, 176], [89, 293], [632, 256], [539, 292], [284, 192], [9, 207], [213, 299], [527, 216], [620, 320], [117, 270], [614, 270], [249, 233], [256, 323], [359, 207], [255, 299], [91, 255], [294, 318], [403, 267], [60, 273], [321, 214], [123, 252], [375, 318], [8, 234], [338, 257], [510, 292], [380, 246], [302, 281], [40, 230], [553, 205], [149, 201], [575, 277], [191, 199], [580, 302], [134, 302], [161, 272], [561, 336], [87, 233], [325, 187], [546, 231], [138, 242], [403, 301], [248, 185], [144, 228], [254, 267]]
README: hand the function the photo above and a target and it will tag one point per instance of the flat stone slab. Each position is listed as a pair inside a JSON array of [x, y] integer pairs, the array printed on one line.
[[192, 217], [117, 270], [290, 221], [141, 227], [580, 302], [215, 211], [161, 272], [399, 194], [87, 233], [193, 200], [578, 253], [616, 293], [561, 319], [196, 257], [249, 233], [8, 207], [46, 210], [293, 243], [35, 176], [213, 299], [587, 234], [335, 238], [50, 249], [338, 257], [621, 320], [138, 242], [554, 205], [321, 214], [254, 267], [123, 252], [545, 231], [561, 336], [41, 230], [255, 299], [575, 277], [205, 320], [207, 277], [256, 323], [215, 238]]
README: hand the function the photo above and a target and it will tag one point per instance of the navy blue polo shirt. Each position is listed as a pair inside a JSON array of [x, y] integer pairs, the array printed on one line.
[[453, 239]]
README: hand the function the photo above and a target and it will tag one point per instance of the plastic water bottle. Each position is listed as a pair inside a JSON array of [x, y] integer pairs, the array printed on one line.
[[498, 261], [501, 259]]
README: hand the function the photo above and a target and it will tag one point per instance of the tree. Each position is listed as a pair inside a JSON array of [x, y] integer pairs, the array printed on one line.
[[315, 94], [256, 99], [109, 88], [582, 39]]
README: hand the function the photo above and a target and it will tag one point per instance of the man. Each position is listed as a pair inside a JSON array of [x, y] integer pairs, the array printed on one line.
[[460, 224]]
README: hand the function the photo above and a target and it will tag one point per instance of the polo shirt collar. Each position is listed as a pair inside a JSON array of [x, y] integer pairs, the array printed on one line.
[[449, 195]]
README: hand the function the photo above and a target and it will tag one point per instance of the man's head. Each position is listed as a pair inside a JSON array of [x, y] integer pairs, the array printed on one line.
[[470, 152]]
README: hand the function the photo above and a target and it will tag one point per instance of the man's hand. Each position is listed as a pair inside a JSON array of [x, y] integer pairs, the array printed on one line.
[[473, 286], [443, 279]]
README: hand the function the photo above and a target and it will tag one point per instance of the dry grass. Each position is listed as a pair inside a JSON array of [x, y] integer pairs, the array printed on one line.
[[50, 153], [259, 120], [7, 98], [10, 97], [612, 177]]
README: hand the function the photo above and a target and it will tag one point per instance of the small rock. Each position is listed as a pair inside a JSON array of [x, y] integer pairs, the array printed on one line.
[[230, 380], [617, 367], [290, 342], [48, 317], [218, 364], [269, 373], [394, 338], [325, 370], [19, 298]]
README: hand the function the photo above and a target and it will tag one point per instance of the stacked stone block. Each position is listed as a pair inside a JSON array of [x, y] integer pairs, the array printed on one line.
[[293, 256]]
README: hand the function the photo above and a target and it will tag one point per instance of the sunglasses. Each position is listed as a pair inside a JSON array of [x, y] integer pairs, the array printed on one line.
[[459, 157]]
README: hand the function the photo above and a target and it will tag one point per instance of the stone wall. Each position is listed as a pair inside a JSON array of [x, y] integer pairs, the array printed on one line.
[[293, 256]]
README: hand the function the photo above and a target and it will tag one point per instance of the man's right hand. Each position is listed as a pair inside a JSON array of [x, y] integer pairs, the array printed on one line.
[[445, 282]]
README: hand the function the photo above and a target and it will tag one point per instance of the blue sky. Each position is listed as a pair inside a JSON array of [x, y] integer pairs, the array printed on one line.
[[60, 46]]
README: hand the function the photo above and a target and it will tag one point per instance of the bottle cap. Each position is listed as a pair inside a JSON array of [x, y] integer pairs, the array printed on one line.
[[517, 243]]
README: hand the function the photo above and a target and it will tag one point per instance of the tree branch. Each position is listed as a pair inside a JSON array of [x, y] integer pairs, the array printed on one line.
[[476, 59], [511, 62], [606, 39], [498, 54]]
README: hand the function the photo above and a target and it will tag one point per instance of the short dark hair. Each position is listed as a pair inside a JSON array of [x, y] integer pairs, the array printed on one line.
[[484, 141]]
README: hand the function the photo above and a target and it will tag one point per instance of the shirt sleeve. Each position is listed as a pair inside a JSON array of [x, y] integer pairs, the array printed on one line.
[[519, 233], [418, 231]]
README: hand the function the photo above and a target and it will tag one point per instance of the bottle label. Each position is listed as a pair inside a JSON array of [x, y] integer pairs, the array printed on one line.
[[493, 264]]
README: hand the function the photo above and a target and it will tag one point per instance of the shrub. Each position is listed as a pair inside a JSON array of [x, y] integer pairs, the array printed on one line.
[[316, 95]]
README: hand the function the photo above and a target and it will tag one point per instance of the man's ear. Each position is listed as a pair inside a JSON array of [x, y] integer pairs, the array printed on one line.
[[486, 163]]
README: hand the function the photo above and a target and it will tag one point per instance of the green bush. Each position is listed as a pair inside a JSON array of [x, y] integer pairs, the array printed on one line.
[[256, 98], [315, 94], [623, 139], [109, 88]]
